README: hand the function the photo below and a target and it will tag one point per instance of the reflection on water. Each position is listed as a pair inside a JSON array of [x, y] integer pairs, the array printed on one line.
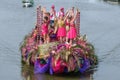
[[27, 74]]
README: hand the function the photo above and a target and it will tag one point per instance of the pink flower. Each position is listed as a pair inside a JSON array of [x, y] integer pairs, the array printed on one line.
[[68, 46]]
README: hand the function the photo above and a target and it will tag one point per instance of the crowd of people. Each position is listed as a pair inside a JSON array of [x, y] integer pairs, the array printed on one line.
[[58, 25]]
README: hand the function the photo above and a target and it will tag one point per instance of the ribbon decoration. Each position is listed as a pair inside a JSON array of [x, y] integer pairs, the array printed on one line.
[[39, 18], [39, 21], [78, 23]]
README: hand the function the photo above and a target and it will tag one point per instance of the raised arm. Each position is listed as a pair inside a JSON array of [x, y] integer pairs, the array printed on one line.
[[44, 9], [66, 15], [66, 12], [75, 16]]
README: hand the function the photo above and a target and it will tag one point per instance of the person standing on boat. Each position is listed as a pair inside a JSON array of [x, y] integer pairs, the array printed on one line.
[[52, 15], [61, 12], [67, 26], [61, 31], [45, 30], [45, 13], [72, 34]]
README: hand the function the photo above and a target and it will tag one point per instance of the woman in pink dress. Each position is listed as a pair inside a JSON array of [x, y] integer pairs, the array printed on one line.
[[44, 29], [67, 23], [72, 31], [60, 29]]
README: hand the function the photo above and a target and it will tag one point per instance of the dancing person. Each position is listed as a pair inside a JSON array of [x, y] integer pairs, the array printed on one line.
[[72, 31], [61, 12], [61, 33], [67, 23], [72, 12], [52, 15], [45, 30], [60, 29]]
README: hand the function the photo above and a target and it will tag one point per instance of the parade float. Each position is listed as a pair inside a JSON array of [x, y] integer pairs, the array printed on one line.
[[28, 3], [56, 57]]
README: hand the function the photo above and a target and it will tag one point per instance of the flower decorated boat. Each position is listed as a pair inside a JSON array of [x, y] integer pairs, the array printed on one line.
[[57, 57]]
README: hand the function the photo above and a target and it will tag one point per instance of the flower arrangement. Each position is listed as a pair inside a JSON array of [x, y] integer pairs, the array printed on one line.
[[60, 57]]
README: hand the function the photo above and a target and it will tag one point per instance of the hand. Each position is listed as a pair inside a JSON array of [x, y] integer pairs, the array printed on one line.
[[54, 32]]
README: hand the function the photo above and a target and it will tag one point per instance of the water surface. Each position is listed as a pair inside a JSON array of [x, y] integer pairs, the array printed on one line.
[[99, 20]]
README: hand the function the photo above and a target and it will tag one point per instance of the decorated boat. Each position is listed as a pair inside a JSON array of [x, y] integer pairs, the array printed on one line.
[[28, 3], [57, 57]]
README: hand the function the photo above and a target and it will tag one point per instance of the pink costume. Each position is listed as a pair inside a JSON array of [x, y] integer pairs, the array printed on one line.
[[60, 13], [67, 23], [58, 68], [61, 29], [72, 32], [44, 28]]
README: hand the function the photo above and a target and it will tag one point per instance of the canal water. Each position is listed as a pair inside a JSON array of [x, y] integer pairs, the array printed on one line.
[[100, 21]]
